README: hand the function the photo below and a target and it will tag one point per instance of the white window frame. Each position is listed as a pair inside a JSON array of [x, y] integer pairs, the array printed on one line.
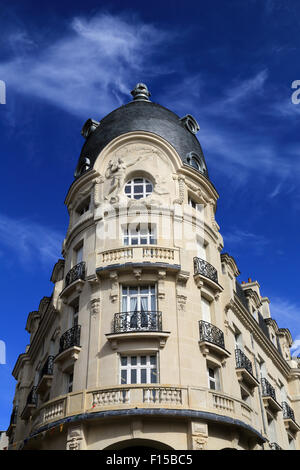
[[149, 295], [133, 183], [139, 367], [215, 379], [136, 235]]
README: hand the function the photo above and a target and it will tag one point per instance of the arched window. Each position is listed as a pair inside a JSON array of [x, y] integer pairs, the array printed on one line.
[[138, 188]]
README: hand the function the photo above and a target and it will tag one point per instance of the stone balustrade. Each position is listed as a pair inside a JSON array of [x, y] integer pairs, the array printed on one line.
[[143, 396], [138, 253]]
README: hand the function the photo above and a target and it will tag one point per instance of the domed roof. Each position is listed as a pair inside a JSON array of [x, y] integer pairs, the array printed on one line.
[[142, 115]]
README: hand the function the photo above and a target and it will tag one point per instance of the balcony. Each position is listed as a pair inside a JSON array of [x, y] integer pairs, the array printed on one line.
[[212, 340], [244, 369], [74, 279], [146, 255], [269, 396], [137, 325], [45, 378], [152, 399], [31, 404], [289, 418], [205, 273], [69, 348]]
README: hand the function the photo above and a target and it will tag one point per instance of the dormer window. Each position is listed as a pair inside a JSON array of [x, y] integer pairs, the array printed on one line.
[[197, 162], [138, 188]]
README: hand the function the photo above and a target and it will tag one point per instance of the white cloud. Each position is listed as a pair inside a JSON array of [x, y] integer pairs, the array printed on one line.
[[90, 68], [28, 243], [287, 315]]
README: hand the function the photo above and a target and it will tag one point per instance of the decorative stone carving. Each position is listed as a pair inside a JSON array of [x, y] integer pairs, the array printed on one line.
[[95, 306], [97, 183], [114, 294], [75, 439], [116, 172], [181, 180], [199, 442], [161, 284]]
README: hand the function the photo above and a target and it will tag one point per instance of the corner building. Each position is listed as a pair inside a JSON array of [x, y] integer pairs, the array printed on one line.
[[148, 339]]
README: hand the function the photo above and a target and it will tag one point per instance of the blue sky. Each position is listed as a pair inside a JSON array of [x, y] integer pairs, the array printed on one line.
[[230, 64]]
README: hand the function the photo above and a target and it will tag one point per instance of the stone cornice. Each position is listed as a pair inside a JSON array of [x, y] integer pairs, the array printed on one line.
[[22, 358], [266, 344], [79, 183], [47, 319], [230, 261]]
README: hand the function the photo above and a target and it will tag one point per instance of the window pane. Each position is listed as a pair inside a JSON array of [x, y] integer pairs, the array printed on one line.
[[123, 376], [153, 360], [212, 385], [138, 189], [127, 189], [138, 196], [138, 180], [211, 372], [143, 360], [153, 376], [133, 376], [143, 376], [123, 361], [133, 360]]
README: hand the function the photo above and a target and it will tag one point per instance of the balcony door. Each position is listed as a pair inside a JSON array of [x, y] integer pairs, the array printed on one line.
[[138, 306]]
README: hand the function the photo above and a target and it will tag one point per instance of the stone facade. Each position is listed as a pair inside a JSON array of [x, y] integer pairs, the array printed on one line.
[[147, 338]]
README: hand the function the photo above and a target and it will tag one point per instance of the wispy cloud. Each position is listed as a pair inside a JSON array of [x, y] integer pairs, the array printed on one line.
[[91, 67], [237, 239], [28, 243], [287, 315]]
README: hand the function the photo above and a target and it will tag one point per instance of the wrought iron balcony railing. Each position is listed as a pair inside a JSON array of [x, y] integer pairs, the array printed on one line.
[[32, 397], [77, 272], [242, 361], [205, 269], [267, 389], [288, 413], [275, 446], [211, 334], [70, 338], [137, 321], [47, 368]]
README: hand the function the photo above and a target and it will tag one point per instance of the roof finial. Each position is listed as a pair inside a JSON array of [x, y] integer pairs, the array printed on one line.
[[140, 92]]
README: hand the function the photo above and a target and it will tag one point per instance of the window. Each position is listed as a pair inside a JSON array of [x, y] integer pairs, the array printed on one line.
[[138, 188], [139, 235], [194, 204], [79, 255], [138, 298], [205, 310], [238, 339], [201, 249], [138, 369], [70, 383], [213, 378], [83, 207], [75, 312]]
